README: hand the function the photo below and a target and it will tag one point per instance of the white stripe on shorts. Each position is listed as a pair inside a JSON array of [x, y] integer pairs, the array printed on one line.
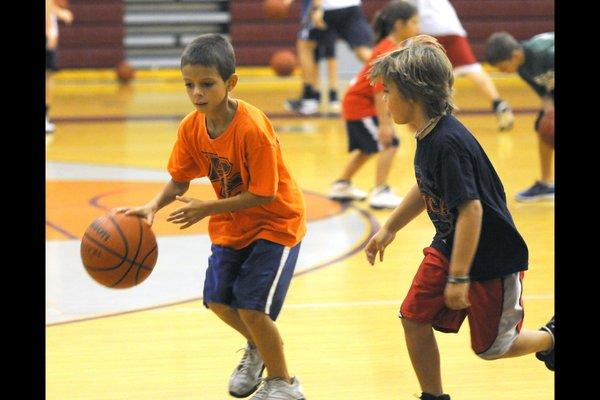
[[284, 257], [512, 314], [373, 129]]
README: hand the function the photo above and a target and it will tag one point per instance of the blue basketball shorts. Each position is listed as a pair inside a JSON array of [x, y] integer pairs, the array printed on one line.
[[256, 277]]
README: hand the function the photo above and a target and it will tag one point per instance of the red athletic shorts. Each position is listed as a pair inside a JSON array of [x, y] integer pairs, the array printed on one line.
[[458, 50], [496, 311]]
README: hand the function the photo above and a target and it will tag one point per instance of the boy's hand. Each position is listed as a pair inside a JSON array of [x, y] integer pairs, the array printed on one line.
[[378, 243], [456, 295], [145, 212], [192, 212]]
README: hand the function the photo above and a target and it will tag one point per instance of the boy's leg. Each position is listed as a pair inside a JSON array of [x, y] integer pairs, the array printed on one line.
[[268, 341], [259, 293], [529, 342], [424, 356], [384, 165], [546, 157], [354, 164], [232, 318], [423, 309]]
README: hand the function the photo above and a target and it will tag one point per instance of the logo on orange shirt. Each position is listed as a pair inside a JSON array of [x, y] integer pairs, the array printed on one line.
[[221, 171]]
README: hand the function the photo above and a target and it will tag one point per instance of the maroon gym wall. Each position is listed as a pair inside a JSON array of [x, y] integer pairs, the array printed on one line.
[[256, 38]]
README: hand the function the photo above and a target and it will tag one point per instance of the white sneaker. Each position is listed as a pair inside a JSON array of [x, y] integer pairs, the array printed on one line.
[[302, 106], [246, 377], [383, 197], [504, 116], [345, 191], [335, 106], [278, 389], [50, 127]]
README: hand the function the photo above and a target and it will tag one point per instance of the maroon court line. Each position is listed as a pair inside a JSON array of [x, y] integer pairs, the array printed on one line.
[[373, 227], [274, 116]]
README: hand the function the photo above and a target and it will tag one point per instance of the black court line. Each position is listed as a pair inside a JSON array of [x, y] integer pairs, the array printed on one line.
[[274, 116], [61, 230]]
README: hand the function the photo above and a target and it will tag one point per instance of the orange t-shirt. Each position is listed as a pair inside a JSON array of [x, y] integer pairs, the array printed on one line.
[[359, 99], [246, 157]]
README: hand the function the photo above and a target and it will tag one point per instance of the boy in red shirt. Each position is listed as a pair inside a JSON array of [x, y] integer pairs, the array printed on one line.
[[369, 126], [256, 224]]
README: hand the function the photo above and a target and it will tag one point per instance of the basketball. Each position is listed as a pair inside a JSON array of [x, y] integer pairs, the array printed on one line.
[[124, 72], [275, 9], [546, 128], [119, 251], [283, 62]]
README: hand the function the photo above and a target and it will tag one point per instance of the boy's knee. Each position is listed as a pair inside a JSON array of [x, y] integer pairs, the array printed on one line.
[[411, 326], [251, 317]]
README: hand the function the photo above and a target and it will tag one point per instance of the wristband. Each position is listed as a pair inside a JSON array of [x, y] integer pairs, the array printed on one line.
[[458, 279]]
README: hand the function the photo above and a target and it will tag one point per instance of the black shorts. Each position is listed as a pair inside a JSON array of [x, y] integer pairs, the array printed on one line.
[[325, 43], [51, 64], [363, 134], [351, 25]]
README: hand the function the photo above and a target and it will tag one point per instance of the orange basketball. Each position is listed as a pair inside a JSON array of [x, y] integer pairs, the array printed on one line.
[[275, 9], [119, 251], [546, 128], [125, 72], [283, 62]]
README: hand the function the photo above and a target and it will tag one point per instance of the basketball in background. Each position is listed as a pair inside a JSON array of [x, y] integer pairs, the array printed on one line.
[[119, 251], [275, 9], [283, 62], [546, 128], [125, 72]]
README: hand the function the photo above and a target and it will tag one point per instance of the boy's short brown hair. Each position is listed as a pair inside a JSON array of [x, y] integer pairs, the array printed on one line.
[[210, 50], [421, 71], [499, 47]]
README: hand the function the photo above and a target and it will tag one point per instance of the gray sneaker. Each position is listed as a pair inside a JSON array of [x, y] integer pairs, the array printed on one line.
[[278, 389], [246, 377]]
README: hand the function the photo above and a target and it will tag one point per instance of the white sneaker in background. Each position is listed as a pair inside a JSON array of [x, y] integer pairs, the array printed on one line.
[[343, 190], [382, 197]]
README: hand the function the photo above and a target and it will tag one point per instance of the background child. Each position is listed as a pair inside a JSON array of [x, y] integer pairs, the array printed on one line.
[[474, 266], [439, 19], [347, 21], [256, 224], [533, 60], [369, 126]]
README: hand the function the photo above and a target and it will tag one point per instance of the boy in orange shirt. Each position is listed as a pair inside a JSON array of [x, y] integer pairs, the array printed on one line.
[[256, 224]]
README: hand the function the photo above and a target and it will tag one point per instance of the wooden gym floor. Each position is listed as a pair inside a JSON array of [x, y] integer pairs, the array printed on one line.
[[339, 323]]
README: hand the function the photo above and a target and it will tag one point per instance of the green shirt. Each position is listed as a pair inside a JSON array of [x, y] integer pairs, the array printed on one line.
[[538, 68]]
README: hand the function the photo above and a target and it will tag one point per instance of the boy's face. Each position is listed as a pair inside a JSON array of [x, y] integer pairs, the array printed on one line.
[[400, 107], [512, 64], [409, 28], [205, 87]]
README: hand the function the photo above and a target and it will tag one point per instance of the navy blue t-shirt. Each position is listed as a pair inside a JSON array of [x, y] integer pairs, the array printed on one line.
[[451, 168]]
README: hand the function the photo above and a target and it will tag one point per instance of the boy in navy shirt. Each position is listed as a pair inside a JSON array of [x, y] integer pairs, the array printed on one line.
[[475, 265]]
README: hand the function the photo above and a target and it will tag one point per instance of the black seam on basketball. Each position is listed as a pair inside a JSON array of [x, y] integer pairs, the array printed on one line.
[[142, 262], [137, 252], [108, 250], [114, 253], [123, 237]]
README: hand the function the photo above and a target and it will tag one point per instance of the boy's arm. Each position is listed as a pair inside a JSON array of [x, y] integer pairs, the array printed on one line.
[[466, 239], [195, 209], [411, 206], [166, 196]]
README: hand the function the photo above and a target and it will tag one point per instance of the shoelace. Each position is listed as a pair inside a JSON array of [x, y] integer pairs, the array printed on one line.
[[245, 362]]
